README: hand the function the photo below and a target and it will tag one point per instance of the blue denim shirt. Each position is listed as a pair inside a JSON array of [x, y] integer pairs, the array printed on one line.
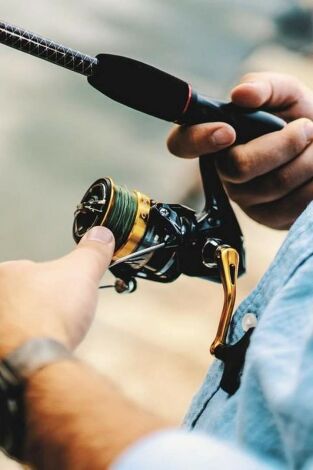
[[268, 422]]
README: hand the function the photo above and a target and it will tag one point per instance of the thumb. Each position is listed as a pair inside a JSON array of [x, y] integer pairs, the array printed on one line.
[[94, 253], [267, 89]]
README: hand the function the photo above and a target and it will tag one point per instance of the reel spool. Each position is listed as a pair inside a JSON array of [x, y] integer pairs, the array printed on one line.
[[125, 213]]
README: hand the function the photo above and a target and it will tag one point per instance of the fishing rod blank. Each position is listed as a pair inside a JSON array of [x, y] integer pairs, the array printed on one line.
[[45, 49]]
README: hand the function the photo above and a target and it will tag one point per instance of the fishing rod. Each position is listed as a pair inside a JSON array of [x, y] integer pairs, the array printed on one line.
[[159, 241], [157, 93], [141, 86]]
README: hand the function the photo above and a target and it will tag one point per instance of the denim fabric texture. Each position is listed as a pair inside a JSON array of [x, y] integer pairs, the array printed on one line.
[[270, 417]]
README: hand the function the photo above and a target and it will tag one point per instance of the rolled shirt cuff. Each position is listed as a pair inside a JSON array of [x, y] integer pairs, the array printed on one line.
[[180, 450]]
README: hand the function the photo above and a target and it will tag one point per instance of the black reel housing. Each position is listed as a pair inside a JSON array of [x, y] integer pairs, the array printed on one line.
[[188, 240]]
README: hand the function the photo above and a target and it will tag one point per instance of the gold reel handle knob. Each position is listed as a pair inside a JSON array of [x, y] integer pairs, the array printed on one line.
[[227, 259]]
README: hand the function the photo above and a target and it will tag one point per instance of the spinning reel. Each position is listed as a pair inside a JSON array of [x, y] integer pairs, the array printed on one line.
[[159, 241]]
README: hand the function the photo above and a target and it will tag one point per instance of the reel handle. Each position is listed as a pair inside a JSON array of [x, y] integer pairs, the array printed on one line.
[[219, 209]]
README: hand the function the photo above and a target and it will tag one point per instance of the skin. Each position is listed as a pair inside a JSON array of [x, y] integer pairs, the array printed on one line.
[[270, 178], [58, 299]]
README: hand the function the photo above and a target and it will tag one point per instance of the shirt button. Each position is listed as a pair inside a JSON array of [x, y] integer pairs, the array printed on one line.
[[249, 321]]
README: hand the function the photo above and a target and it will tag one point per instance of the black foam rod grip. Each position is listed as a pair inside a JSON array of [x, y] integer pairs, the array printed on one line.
[[140, 86], [152, 91]]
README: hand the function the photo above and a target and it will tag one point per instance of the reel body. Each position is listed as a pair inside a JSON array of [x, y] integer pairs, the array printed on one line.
[[156, 241]]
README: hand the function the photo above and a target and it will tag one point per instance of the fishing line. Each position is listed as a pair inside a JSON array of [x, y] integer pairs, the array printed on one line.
[[121, 218]]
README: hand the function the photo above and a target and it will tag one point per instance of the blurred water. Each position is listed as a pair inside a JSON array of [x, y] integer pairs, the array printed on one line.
[[58, 134]]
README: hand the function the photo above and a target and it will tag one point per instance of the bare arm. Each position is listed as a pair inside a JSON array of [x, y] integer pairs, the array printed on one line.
[[75, 418], [78, 420]]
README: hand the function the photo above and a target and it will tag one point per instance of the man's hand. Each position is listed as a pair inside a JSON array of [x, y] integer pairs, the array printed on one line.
[[74, 417], [55, 299], [270, 178]]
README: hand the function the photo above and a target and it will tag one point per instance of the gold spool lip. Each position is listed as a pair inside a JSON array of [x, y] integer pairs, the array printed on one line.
[[139, 227]]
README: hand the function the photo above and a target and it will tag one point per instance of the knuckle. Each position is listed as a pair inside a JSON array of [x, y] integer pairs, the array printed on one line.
[[182, 141], [236, 197], [295, 138], [235, 193], [179, 142], [193, 137], [172, 143], [295, 141], [237, 166], [282, 180], [176, 141]]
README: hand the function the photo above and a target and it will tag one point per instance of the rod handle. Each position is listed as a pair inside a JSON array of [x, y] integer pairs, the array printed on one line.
[[248, 123]]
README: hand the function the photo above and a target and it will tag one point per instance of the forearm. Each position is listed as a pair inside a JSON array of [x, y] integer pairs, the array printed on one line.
[[76, 419]]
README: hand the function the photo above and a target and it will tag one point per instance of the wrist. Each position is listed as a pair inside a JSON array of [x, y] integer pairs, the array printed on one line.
[[17, 369], [12, 336]]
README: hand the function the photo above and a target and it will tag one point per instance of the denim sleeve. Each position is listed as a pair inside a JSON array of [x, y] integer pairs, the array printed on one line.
[[277, 386], [180, 450]]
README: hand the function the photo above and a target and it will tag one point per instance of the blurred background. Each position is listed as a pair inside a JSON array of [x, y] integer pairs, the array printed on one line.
[[58, 135]]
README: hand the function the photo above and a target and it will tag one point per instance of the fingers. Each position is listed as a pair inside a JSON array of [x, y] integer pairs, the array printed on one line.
[[271, 177], [190, 142], [282, 213], [267, 89], [286, 95], [260, 156], [274, 185], [94, 253]]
